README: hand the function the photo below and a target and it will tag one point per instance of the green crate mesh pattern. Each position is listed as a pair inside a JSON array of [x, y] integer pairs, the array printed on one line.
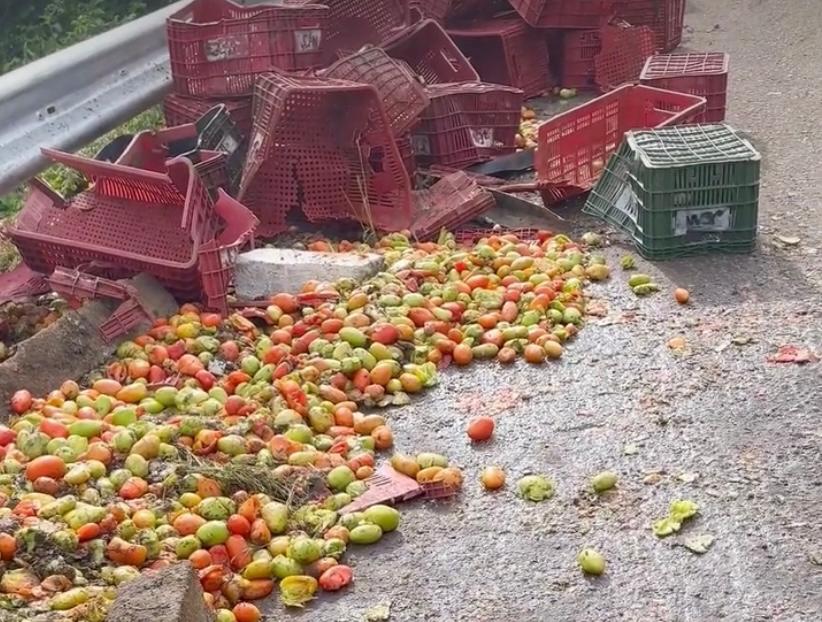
[[687, 145], [612, 198]]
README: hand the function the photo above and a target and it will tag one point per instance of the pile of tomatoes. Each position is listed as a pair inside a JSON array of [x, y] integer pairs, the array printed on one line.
[[104, 476]]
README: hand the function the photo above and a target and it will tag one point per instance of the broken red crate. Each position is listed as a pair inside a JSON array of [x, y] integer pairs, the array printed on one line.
[[77, 285], [625, 49], [573, 147], [149, 150], [431, 54], [665, 17], [22, 282], [131, 221], [467, 123], [452, 201], [703, 74], [606, 58], [323, 147], [179, 110], [507, 51], [576, 14], [218, 48], [403, 97], [355, 23]]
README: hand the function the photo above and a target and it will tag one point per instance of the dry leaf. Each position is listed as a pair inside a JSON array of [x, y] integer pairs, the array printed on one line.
[[698, 544]]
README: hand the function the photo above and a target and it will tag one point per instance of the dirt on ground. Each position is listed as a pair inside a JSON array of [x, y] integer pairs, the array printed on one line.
[[715, 422]]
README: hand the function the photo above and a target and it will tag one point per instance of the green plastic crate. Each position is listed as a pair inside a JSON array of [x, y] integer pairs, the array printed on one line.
[[612, 198], [682, 190]]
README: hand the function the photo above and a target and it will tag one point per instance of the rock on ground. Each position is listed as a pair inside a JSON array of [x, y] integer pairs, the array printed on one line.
[[173, 594], [267, 271]]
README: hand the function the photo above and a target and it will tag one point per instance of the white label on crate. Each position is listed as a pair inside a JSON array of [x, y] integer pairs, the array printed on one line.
[[626, 203], [228, 144], [307, 40], [421, 145], [482, 137], [223, 48], [254, 147], [715, 219]]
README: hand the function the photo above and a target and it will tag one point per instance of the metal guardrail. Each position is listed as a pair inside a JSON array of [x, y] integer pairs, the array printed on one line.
[[71, 97]]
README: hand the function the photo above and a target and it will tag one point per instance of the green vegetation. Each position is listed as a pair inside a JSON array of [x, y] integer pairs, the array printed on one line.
[[36, 28], [32, 29]]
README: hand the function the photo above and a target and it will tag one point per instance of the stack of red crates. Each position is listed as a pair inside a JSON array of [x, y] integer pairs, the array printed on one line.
[[218, 48]]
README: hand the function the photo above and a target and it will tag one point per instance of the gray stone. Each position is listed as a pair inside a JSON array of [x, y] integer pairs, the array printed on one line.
[[266, 271], [73, 345], [172, 594]]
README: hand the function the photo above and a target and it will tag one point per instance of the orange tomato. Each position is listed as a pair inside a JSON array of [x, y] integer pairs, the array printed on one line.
[[239, 555], [462, 354], [383, 437], [343, 415], [238, 525], [134, 488], [534, 354], [480, 428], [107, 386], [200, 559], [492, 478], [187, 523], [287, 302], [45, 466], [246, 612], [8, 546], [88, 532]]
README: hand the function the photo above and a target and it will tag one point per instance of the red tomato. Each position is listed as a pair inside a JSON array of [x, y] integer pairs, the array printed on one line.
[[336, 578]]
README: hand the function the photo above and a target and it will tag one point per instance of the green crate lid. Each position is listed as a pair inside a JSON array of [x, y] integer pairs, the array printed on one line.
[[689, 145]]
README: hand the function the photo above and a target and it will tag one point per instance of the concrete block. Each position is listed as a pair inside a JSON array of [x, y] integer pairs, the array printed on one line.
[[266, 271], [73, 345], [173, 594]]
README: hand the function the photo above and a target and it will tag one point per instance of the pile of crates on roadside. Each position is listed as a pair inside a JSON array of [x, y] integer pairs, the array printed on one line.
[[346, 110]]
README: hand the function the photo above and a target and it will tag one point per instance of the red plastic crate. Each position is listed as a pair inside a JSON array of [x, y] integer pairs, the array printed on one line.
[[700, 74], [507, 51], [149, 151], [431, 54], [130, 221], [573, 147], [452, 201], [218, 48], [22, 282], [355, 23], [625, 49], [179, 110], [431, 9], [578, 14], [606, 58], [403, 98], [406, 149], [324, 147], [579, 49], [665, 17], [467, 123]]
